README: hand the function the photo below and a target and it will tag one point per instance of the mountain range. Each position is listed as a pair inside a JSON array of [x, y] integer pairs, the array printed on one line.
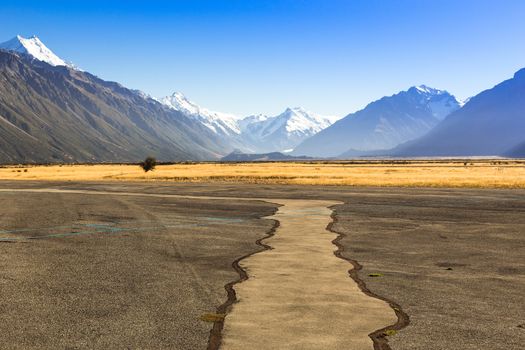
[[255, 133], [52, 111]]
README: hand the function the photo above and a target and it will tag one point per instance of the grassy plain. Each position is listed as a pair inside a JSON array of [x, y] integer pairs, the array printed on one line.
[[425, 173]]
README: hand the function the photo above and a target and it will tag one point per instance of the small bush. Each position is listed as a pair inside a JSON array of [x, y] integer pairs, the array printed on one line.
[[148, 164]]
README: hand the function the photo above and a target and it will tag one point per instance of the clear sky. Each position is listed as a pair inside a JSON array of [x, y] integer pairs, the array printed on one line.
[[260, 56]]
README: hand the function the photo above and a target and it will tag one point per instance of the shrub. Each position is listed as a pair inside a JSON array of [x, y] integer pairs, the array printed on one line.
[[148, 164]]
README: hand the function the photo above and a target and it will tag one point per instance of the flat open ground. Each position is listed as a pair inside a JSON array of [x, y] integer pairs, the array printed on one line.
[[110, 270], [496, 173]]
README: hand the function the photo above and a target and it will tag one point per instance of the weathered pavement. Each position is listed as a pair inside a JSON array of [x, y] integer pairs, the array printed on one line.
[[299, 294], [451, 258]]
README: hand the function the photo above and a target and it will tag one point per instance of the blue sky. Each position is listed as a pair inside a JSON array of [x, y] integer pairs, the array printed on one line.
[[253, 56]]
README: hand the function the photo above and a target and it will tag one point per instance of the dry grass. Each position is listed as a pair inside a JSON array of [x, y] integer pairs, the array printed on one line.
[[431, 173]]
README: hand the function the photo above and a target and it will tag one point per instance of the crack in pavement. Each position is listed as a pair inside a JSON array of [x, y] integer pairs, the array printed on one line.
[[379, 336]]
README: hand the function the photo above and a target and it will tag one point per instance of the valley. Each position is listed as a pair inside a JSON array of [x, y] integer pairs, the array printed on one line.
[[68, 116], [262, 175]]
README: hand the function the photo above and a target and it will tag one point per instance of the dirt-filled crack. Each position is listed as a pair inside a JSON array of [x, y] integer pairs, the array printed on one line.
[[216, 332], [379, 337]]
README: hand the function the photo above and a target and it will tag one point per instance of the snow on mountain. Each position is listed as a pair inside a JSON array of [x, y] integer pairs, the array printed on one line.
[[259, 133], [219, 123], [243, 123], [35, 48], [293, 120], [282, 132], [440, 102], [383, 124], [256, 133]]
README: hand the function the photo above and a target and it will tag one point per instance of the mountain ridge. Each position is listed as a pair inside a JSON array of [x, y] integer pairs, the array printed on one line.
[[52, 111], [489, 124], [255, 133], [383, 124], [57, 114], [35, 48]]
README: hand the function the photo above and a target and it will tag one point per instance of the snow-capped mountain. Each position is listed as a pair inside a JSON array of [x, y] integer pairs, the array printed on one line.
[[220, 123], [440, 102], [256, 133], [52, 115], [35, 48], [490, 123], [283, 132], [383, 124]]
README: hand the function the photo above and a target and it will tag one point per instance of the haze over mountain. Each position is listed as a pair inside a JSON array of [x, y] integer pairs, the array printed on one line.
[[237, 156], [517, 151], [383, 124], [491, 123], [52, 113]]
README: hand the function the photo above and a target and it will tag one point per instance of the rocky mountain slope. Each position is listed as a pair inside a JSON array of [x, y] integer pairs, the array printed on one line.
[[58, 114]]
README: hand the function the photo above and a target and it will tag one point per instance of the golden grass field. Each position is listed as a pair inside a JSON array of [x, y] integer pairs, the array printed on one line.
[[431, 173]]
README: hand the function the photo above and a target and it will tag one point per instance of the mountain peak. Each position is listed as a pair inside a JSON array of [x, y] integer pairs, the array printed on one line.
[[179, 95], [35, 48], [33, 38], [221, 123], [425, 90], [178, 101]]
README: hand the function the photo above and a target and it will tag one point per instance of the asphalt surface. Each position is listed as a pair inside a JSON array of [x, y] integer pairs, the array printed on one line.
[[453, 259], [455, 263], [114, 272]]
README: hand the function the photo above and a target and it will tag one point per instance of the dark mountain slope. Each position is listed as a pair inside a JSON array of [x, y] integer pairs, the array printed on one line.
[[57, 114]]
